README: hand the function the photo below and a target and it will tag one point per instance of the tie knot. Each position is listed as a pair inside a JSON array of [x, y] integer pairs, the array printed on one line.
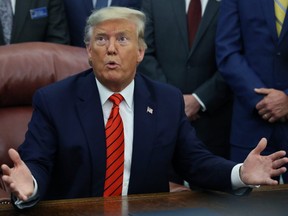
[[116, 98]]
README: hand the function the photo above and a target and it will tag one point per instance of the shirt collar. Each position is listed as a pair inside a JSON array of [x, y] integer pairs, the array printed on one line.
[[127, 93]]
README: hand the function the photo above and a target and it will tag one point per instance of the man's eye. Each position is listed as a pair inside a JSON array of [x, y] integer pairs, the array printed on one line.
[[123, 39], [101, 40]]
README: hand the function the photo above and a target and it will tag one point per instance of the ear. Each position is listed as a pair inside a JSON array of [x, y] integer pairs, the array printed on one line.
[[89, 50], [141, 53]]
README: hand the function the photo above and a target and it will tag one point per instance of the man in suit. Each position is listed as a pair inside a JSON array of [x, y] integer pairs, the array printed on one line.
[[64, 152], [78, 11], [169, 59], [252, 58], [38, 20]]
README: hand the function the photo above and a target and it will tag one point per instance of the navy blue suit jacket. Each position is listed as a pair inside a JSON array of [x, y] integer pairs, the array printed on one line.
[[78, 11], [251, 55], [65, 143]]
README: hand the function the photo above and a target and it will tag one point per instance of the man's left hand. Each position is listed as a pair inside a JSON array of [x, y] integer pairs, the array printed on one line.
[[259, 170]]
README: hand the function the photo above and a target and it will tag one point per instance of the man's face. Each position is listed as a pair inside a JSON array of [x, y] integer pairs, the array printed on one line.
[[115, 53]]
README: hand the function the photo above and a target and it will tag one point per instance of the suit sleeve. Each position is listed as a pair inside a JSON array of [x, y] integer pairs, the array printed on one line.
[[40, 144], [230, 54], [194, 163]]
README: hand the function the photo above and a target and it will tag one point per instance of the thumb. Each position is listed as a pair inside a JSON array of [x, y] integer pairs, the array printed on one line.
[[15, 157], [260, 146]]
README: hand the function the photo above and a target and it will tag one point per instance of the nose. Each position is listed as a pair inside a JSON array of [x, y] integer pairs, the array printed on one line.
[[111, 49]]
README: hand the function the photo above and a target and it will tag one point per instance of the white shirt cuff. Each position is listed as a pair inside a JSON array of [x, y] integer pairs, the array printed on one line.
[[28, 203], [237, 183], [203, 107]]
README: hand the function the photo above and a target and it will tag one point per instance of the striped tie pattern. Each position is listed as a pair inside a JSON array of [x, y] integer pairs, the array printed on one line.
[[280, 7], [114, 150]]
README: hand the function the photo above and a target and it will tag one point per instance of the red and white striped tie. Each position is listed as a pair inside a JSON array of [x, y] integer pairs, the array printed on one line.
[[114, 150]]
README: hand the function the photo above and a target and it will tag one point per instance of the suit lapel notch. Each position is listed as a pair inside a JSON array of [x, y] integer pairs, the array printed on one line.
[[268, 9], [181, 18]]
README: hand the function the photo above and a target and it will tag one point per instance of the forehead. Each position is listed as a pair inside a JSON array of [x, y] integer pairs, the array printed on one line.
[[115, 26]]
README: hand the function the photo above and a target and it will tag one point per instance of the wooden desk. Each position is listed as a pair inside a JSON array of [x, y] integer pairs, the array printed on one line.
[[272, 201]]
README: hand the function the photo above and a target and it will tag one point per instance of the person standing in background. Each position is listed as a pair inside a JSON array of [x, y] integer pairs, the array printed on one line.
[[33, 20], [252, 53], [190, 67], [78, 11]]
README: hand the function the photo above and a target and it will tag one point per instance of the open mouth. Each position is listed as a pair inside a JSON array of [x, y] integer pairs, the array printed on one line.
[[112, 64]]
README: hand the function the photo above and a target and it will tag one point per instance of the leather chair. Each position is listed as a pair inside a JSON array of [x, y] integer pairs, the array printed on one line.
[[25, 67]]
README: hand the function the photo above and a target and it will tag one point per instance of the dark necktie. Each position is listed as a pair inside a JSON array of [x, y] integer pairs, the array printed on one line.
[[6, 16], [114, 150], [194, 18], [101, 4]]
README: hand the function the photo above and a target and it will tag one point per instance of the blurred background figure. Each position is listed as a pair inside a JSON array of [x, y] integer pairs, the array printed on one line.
[[79, 10], [252, 53], [33, 20], [185, 57]]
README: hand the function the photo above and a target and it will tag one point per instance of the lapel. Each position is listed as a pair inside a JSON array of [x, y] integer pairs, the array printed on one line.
[[268, 9], [284, 29], [178, 8], [144, 133], [90, 114], [22, 14], [210, 12]]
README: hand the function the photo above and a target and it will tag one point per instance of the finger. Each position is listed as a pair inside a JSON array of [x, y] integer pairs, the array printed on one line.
[[7, 180], [5, 169], [272, 119], [262, 90], [270, 181], [259, 106], [260, 146], [278, 156], [279, 163], [266, 116], [261, 111], [278, 172], [17, 193]]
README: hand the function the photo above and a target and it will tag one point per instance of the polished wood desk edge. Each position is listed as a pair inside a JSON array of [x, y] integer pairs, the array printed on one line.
[[282, 187], [141, 197], [271, 188]]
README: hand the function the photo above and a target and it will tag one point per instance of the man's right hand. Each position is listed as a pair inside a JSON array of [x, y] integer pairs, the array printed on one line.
[[18, 179]]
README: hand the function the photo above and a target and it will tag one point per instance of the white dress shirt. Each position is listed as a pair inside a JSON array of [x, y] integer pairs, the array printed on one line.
[[13, 3], [203, 5]]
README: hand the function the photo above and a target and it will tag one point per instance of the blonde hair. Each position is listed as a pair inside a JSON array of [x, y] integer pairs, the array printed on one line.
[[112, 13]]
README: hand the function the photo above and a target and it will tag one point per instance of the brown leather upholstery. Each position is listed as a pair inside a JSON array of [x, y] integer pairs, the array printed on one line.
[[24, 68]]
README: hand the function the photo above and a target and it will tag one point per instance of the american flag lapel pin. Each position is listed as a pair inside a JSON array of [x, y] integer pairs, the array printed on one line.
[[149, 110]]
